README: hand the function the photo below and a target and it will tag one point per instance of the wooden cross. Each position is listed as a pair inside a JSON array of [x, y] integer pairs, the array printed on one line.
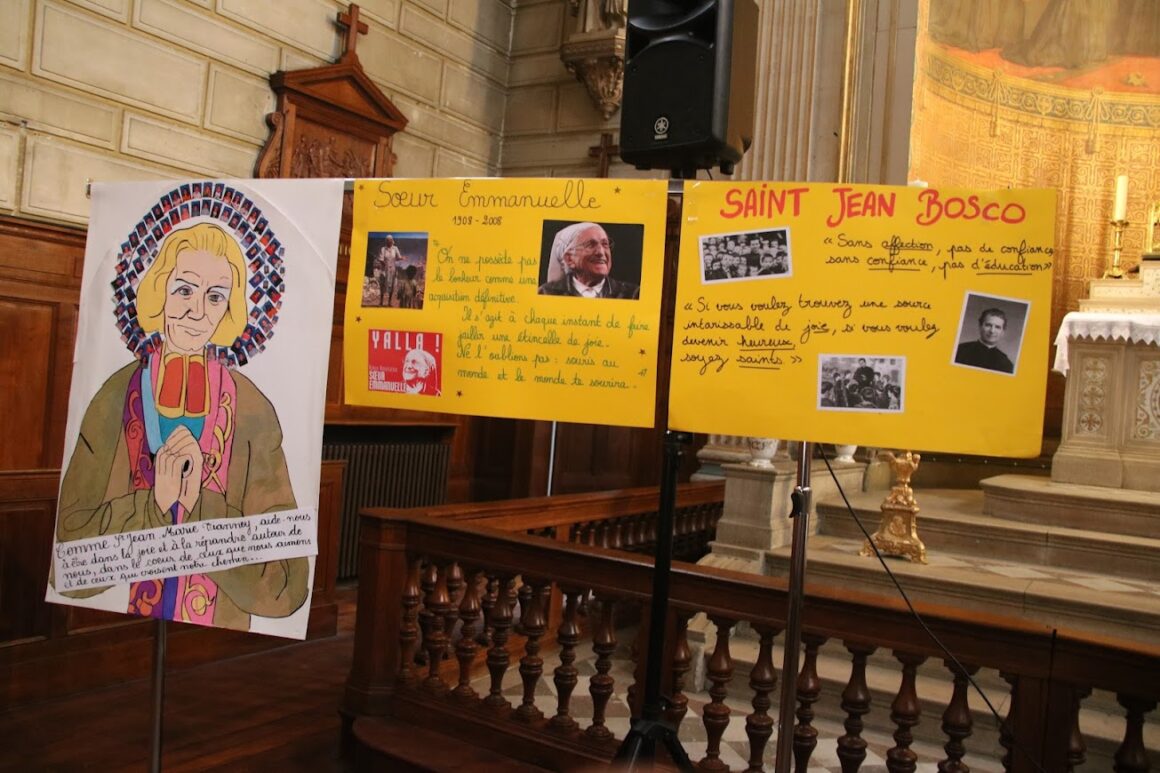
[[354, 28], [604, 151]]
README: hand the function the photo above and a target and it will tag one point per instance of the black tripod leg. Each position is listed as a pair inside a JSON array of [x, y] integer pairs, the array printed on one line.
[[636, 748], [640, 746], [677, 752]]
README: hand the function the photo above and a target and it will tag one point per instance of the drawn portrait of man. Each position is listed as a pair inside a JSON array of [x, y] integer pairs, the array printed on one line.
[[179, 434], [177, 437]]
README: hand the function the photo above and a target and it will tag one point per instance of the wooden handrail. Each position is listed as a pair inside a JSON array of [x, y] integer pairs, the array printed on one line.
[[563, 510], [1001, 642], [1050, 666]]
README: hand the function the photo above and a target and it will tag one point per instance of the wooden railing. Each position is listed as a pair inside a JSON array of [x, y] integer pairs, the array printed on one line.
[[624, 520], [453, 591]]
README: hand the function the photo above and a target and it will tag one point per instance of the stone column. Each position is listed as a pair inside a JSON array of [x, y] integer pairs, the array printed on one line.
[[797, 103]]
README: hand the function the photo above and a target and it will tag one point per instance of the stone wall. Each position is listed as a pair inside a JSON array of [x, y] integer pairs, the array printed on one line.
[[156, 89], [143, 89], [551, 121]]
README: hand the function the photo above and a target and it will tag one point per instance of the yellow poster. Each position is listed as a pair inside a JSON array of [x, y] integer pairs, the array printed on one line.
[[870, 315], [535, 299]]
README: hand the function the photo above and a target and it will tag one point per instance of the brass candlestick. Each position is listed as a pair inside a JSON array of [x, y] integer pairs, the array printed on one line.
[[897, 533], [1114, 271]]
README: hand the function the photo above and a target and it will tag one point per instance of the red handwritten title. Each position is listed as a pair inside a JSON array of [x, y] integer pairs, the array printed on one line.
[[766, 202]]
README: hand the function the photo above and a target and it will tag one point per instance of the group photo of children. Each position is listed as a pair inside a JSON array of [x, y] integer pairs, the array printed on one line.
[[751, 255]]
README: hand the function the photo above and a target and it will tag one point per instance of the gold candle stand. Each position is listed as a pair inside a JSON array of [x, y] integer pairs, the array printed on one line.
[[1114, 271]]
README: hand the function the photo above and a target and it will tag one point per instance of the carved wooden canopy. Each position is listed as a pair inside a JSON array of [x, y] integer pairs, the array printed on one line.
[[332, 121]]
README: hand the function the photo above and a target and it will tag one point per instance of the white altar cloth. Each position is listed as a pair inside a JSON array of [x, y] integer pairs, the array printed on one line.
[[1109, 325]]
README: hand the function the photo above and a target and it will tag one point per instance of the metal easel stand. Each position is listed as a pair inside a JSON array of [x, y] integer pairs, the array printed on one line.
[[158, 695], [640, 745], [793, 623], [646, 731]]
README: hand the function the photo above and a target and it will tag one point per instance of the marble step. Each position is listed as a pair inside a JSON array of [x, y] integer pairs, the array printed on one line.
[[1066, 600], [952, 521], [1038, 500]]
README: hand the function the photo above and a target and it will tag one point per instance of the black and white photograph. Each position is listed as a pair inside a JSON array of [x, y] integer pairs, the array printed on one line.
[[990, 333], [591, 260], [861, 382], [749, 255]]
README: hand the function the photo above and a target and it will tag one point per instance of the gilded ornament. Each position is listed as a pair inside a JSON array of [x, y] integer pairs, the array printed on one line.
[[897, 533]]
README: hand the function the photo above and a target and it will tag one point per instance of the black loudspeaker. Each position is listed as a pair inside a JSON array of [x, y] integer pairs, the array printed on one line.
[[689, 79]]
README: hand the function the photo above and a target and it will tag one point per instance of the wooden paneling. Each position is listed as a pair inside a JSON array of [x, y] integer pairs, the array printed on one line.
[[40, 270], [27, 515], [25, 374], [329, 501], [41, 254]]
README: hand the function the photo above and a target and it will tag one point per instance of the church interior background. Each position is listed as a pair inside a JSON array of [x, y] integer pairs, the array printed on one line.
[[1061, 94]]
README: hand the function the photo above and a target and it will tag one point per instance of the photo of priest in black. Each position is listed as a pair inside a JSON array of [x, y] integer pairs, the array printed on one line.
[[990, 333]]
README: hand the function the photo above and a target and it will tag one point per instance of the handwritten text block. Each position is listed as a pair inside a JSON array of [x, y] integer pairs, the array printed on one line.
[[191, 548]]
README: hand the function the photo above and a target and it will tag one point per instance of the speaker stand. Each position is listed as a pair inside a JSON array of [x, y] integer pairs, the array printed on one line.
[[640, 745], [802, 494]]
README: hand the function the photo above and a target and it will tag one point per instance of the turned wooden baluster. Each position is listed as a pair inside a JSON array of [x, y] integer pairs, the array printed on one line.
[[435, 639], [409, 630], [534, 623], [428, 578], [763, 681], [497, 656], [454, 587], [566, 675], [678, 704], [1007, 726], [856, 704], [601, 684], [491, 590], [809, 687], [904, 713], [469, 611], [1076, 747], [716, 714], [1132, 757], [956, 720]]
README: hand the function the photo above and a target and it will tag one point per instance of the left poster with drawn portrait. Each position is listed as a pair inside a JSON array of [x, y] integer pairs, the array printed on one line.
[[191, 460]]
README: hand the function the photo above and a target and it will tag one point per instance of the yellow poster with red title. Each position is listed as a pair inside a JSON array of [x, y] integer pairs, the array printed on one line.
[[519, 298], [898, 317]]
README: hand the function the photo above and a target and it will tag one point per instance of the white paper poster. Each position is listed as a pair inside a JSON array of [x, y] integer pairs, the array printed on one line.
[[191, 460]]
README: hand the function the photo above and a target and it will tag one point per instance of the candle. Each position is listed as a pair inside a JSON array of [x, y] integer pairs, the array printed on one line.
[[1120, 210]]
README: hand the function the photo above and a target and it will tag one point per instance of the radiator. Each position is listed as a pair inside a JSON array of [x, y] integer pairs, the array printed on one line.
[[385, 475]]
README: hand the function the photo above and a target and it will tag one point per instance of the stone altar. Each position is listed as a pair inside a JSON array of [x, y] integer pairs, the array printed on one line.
[[1110, 351]]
